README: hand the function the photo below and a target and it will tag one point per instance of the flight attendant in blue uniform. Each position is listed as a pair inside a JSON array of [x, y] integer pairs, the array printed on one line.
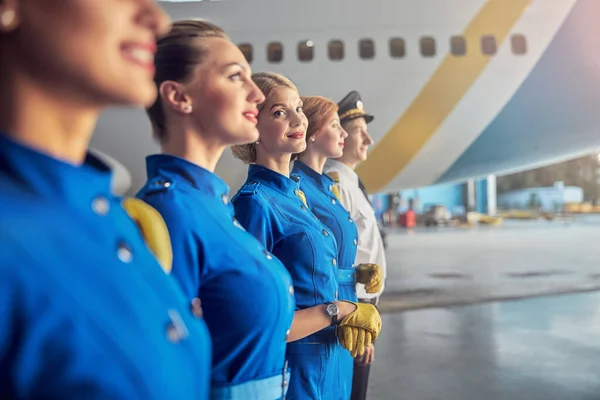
[[325, 139], [246, 294], [271, 206], [87, 311]]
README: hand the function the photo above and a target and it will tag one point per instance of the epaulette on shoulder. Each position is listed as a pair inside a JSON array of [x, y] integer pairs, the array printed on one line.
[[248, 189], [334, 175], [158, 185]]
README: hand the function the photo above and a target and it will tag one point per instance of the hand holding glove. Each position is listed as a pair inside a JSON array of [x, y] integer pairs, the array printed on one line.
[[360, 328], [371, 276]]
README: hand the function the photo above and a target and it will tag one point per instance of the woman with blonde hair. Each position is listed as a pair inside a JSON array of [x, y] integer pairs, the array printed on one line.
[[207, 102], [271, 206], [87, 311]]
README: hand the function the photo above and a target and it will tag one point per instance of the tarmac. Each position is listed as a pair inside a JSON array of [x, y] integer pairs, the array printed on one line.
[[491, 313]]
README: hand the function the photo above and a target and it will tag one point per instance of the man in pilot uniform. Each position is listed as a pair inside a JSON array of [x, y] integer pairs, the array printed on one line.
[[353, 196]]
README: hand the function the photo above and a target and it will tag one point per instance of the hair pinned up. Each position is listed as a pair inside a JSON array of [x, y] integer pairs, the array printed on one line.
[[267, 82]]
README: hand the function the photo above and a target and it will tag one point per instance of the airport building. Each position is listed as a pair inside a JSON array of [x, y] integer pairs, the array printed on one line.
[[474, 195]]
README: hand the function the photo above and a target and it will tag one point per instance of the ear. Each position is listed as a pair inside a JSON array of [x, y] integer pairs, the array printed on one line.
[[9, 15], [174, 97], [316, 135]]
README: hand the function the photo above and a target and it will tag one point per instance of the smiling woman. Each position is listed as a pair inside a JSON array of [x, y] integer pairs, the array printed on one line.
[[207, 102], [87, 311], [271, 206]]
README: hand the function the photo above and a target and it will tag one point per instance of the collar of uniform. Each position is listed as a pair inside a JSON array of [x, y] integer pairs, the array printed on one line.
[[322, 181], [47, 176], [178, 168], [272, 179], [342, 169]]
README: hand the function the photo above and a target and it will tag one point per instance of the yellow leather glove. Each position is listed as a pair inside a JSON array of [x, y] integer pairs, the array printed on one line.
[[355, 340], [154, 230], [371, 276], [360, 328]]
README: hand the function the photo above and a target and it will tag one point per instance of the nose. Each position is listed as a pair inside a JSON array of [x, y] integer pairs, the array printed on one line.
[[256, 95], [344, 133], [298, 118], [367, 138], [155, 18]]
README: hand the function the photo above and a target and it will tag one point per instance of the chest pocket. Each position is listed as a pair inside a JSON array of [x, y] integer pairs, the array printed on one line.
[[363, 209]]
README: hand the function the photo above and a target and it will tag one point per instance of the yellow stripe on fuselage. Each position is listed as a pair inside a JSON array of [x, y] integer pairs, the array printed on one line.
[[439, 96]]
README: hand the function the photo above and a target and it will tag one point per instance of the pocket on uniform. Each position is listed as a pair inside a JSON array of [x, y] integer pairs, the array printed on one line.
[[307, 373]]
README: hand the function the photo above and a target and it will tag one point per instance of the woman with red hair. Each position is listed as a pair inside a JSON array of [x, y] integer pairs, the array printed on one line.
[[325, 139]]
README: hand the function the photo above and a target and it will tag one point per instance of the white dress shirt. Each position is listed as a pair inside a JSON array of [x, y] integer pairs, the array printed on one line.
[[370, 244]]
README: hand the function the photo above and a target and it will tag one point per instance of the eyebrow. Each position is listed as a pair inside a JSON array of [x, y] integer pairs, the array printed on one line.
[[233, 64], [277, 105]]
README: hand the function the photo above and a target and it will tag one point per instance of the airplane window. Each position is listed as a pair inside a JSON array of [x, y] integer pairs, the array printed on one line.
[[428, 46], [458, 45], [488, 45], [246, 49], [397, 48], [366, 48], [275, 52], [518, 44], [306, 50], [336, 50]]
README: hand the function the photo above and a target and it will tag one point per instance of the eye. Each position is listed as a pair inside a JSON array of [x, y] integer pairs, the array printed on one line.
[[236, 77], [299, 109], [279, 113]]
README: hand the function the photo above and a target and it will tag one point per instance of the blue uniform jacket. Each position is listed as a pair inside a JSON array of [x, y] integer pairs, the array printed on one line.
[[246, 294], [86, 310], [318, 189], [269, 207]]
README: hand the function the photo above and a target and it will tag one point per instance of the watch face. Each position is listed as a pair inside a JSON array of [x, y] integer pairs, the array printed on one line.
[[332, 309]]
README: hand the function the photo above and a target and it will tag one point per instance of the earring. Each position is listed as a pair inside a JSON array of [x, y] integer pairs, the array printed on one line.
[[257, 142], [7, 18], [187, 108], [312, 139]]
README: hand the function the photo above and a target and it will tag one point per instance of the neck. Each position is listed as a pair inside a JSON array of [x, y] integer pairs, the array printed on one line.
[[55, 125], [350, 164], [193, 147], [280, 163], [315, 161]]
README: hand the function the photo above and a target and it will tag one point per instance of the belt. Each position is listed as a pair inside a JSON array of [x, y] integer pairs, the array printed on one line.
[[345, 276], [263, 389]]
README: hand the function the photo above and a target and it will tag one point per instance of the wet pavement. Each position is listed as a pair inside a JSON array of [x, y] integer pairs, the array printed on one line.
[[430, 267], [544, 348]]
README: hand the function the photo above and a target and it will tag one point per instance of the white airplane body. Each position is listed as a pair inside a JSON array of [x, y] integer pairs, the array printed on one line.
[[510, 84]]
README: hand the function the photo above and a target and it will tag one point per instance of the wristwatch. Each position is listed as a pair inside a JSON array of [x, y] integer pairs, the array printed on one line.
[[332, 310]]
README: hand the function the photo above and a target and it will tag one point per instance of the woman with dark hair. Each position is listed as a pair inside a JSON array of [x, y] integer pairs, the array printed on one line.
[[207, 102], [87, 312], [271, 206]]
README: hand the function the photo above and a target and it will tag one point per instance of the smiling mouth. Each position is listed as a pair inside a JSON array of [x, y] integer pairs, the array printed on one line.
[[141, 55], [296, 135], [251, 116]]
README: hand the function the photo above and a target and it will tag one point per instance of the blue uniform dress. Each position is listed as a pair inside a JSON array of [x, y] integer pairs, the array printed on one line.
[[246, 294], [86, 311], [318, 189], [268, 206]]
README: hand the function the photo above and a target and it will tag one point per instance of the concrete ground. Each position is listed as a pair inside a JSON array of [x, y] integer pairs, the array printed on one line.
[[433, 347], [451, 266], [544, 348]]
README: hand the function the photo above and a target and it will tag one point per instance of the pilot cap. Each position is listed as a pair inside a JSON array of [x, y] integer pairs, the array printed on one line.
[[352, 107]]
